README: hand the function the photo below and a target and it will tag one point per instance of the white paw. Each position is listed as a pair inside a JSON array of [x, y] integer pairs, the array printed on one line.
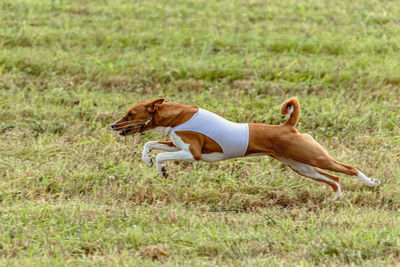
[[374, 182], [162, 171], [146, 158]]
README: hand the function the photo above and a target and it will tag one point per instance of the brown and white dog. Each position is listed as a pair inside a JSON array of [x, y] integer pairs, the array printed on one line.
[[282, 142]]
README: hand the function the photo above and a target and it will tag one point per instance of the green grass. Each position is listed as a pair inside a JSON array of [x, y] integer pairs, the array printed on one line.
[[73, 193]]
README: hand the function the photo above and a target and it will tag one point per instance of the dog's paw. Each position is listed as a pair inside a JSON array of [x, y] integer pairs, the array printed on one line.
[[374, 182], [164, 172], [339, 195], [147, 160]]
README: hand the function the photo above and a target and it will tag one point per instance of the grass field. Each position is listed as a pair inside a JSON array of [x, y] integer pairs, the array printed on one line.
[[73, 193]]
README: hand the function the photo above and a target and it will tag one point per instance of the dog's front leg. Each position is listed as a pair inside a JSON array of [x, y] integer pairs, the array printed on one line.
[[149, 146], [178, 155]]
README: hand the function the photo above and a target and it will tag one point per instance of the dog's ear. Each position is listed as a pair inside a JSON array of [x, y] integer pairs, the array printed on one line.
[[153, 103]]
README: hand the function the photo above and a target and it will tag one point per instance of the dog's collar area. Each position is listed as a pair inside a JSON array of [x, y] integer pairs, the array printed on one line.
[[144, 124]]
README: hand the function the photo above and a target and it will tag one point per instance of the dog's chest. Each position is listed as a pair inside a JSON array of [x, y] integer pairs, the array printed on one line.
[[178, 142]]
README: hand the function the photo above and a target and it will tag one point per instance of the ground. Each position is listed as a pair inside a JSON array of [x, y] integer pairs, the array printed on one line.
[[73, 193]]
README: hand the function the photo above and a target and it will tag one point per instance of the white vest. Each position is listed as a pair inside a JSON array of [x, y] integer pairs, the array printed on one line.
[[232, 137]]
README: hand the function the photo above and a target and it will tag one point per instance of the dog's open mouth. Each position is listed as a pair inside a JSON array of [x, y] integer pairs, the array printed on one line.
[[138, 124], [125, 131]]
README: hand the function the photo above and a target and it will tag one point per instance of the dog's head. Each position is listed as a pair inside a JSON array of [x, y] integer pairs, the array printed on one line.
[[138, 118]]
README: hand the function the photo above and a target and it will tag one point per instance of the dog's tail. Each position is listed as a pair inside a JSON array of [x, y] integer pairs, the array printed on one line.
[[291, 107]]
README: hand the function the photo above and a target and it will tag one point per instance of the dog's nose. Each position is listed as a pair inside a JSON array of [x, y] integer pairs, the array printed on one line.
[[112, 126]]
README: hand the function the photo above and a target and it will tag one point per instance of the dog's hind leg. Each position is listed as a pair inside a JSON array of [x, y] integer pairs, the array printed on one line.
[[333, 165], [149, 146], [313, 173], [308, 151], [368, 181]]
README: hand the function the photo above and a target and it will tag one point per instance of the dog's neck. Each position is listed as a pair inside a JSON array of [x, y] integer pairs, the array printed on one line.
[[173, 114]]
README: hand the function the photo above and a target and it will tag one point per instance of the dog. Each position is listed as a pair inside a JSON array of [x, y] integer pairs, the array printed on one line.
[[197, 134]]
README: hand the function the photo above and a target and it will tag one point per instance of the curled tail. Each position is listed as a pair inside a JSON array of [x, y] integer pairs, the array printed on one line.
[[291, 107]]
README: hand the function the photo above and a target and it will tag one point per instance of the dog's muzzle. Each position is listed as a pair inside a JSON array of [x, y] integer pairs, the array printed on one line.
[[125, 131], [130, 125]]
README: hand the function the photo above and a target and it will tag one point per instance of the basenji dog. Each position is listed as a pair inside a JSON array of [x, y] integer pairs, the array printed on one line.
[[197, 134]]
